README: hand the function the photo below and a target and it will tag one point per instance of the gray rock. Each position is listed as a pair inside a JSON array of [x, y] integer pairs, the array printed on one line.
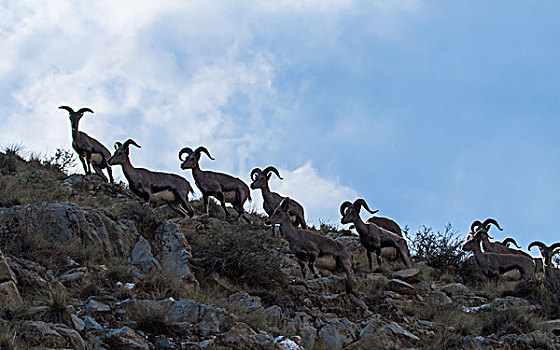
[[73, 275], [58, 223], [79, 325], [142, 256], [454, 289], [125, 338], [273, 316], [91, 324], [397, 329], [301, 325], [174, 252], [188, 315], [439, 299], [37, 333], [337, 333], [408, 275], [93, 305], [400, 287], [509, 302], [332, 284]]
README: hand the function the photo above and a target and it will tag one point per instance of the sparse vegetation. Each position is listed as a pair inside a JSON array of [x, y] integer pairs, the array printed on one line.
[[439, 249]]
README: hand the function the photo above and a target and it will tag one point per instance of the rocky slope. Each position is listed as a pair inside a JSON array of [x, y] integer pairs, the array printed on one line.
[[87, 266]]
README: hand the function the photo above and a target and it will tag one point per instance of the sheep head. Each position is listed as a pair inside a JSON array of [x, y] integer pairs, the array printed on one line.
[[260, 177], [192, 158], [280, 214], [351, 211], [121, 152], [75, 116]]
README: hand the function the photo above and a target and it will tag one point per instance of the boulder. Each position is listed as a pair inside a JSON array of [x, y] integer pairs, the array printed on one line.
[[125, 338], [273, 316], [188, 316], [408, 275], [9, 293], [174, 252], [301, 325], [42, 334], [454, 289], [337, 333], [439, 299], [142, 257], [400, 287], [59, 223]]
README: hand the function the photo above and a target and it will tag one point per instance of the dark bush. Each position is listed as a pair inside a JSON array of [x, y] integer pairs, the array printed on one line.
[[248, 256], [62, 160], [437, 249]]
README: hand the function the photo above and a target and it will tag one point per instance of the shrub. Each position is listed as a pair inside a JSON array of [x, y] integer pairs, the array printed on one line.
[[511, 321], [62, 160], [438, 249], [248, 256]]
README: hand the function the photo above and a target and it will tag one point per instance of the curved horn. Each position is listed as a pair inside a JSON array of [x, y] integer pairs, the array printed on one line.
[[475, 224], [183, 151], [510, 240], [255, 172], [554, 246], [344, 206], [269, 169], [538, 244], [203, 149], [362, 203], [85, 109], [117, 145], [129, 142], [489, 221], [70, 110]]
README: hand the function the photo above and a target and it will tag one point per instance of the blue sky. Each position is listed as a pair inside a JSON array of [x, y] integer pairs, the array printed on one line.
[[434, 112]]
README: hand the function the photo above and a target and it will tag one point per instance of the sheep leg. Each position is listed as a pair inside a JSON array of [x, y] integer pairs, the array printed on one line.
[[205, 204], [82, 159], [347, 266], [184, 204], [97, 169], [303, 268], [370, 260], [110, 172], [378, 254], [176, 207], [88, 161], [222, 199], [311, 264]]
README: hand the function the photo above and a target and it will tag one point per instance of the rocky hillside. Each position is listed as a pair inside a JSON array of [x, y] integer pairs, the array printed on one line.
[[85, 265]]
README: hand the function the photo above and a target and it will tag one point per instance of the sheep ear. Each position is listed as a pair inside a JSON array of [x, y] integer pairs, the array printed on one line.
[[117, 145]]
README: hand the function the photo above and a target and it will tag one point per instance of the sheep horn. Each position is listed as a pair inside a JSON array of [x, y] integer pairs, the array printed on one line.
[[344, 206], [183, 151], [85, 109], [510, 240], [129, 142], [554, 246], [272, 169], [70, 110], [362, 203], [254, 172], [203, 149], [538, 244], [489, 221], [475, 224]]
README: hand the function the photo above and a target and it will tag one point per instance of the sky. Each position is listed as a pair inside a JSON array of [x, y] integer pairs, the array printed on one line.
[[433, 112]]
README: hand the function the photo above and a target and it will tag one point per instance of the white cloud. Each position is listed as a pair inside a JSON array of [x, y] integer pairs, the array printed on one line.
[[168, 74]]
